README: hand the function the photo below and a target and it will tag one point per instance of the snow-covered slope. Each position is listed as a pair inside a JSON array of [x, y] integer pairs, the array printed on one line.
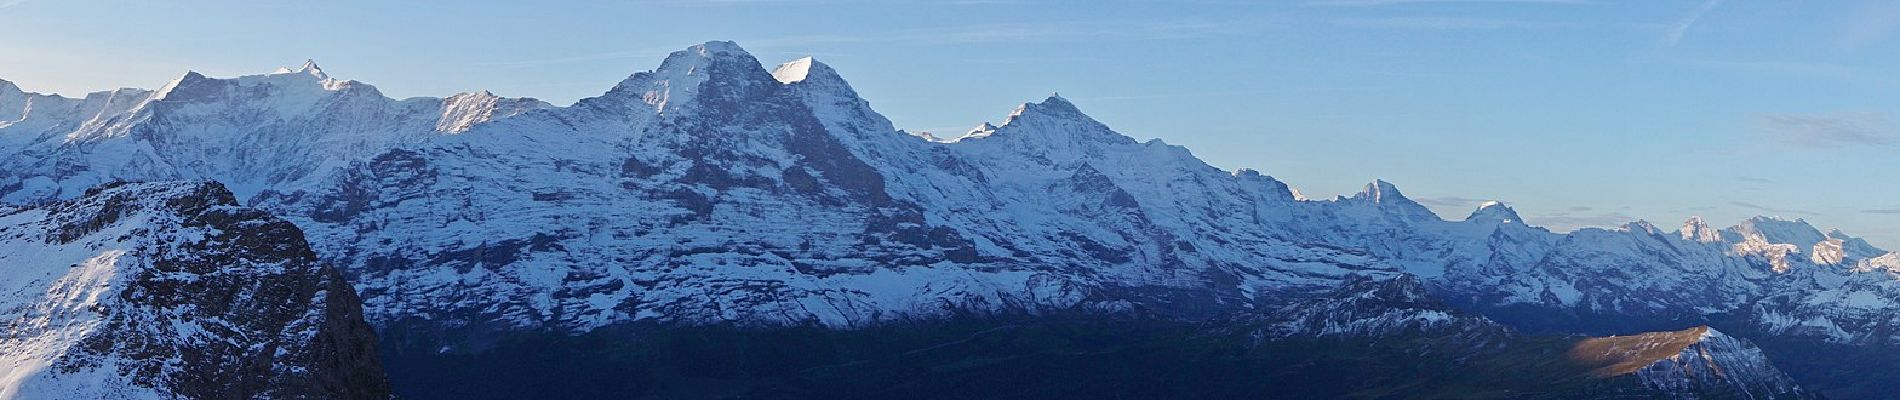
[[711, 190], [170, 290], [1693, 363], [250, 132], [1377, 308]]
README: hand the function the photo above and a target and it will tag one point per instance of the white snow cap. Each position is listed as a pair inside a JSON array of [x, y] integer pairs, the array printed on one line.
[[792, 71], [981, 130], [309, 68], [1641, 226], [1054, 106], [1495, 211], [1780, 231], [1380, 191], [1697, 230]]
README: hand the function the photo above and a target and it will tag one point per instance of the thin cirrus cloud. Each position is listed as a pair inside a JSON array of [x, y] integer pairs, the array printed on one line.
[[970, 34], [1674, 34], [1565, 222], [1840, 130], [1450, 23], [1075, 31], [1450, 202], [1883, 211], [1800, 69], [1379, 3], [1782, 211], [1562, 220]]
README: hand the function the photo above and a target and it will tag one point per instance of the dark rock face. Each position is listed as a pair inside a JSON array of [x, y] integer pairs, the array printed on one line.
[[211, 300]]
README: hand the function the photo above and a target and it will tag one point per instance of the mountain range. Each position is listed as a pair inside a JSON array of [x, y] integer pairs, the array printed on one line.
[[774, 208]]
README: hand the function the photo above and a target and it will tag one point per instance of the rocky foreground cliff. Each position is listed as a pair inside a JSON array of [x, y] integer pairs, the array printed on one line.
[[173, 291]]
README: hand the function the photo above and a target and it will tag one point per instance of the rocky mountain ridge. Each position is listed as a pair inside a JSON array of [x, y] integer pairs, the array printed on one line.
[[713, 191], [172, 290]]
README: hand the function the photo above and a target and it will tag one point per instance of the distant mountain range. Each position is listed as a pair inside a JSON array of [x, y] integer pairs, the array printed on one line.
[[775, 209]]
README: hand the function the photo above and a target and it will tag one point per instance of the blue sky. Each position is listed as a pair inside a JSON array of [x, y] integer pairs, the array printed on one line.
[[1577, 112]]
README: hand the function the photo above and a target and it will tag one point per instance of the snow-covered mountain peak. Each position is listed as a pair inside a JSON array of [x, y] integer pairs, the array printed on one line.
[[817, 81], [795, 70], [1057, 122], [1380, 191], [981, 130], [1697, 230], [680, 78], [1641, 226], [1495, 212], [300, 87], [465, 110], [1386, 198], [309, 68], [1773, 230], [189, 78], [1055, 105]]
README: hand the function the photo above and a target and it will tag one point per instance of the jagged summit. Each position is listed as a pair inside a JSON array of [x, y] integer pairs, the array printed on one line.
[[1697, 230], [689, 60], [1641, 226], [1386, 197], [1379, 191], [679, 79], [1051, 125], [981, 130], [1495, 211], [817, 81], [1054, 104], [172, 290], [1056, 110], [309, 68]]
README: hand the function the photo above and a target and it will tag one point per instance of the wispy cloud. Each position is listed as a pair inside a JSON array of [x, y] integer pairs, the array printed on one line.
[[1451, 202], [1450, 23], [602, 56], [1380, 3], [1781, 211], [1755, 179], [5, 4], [1064, 32], [717, 3], [1864, 129], [966, 34], [1565, 222], [1235, 93], [1801, 69], [1883, 211], [1674, 33]]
